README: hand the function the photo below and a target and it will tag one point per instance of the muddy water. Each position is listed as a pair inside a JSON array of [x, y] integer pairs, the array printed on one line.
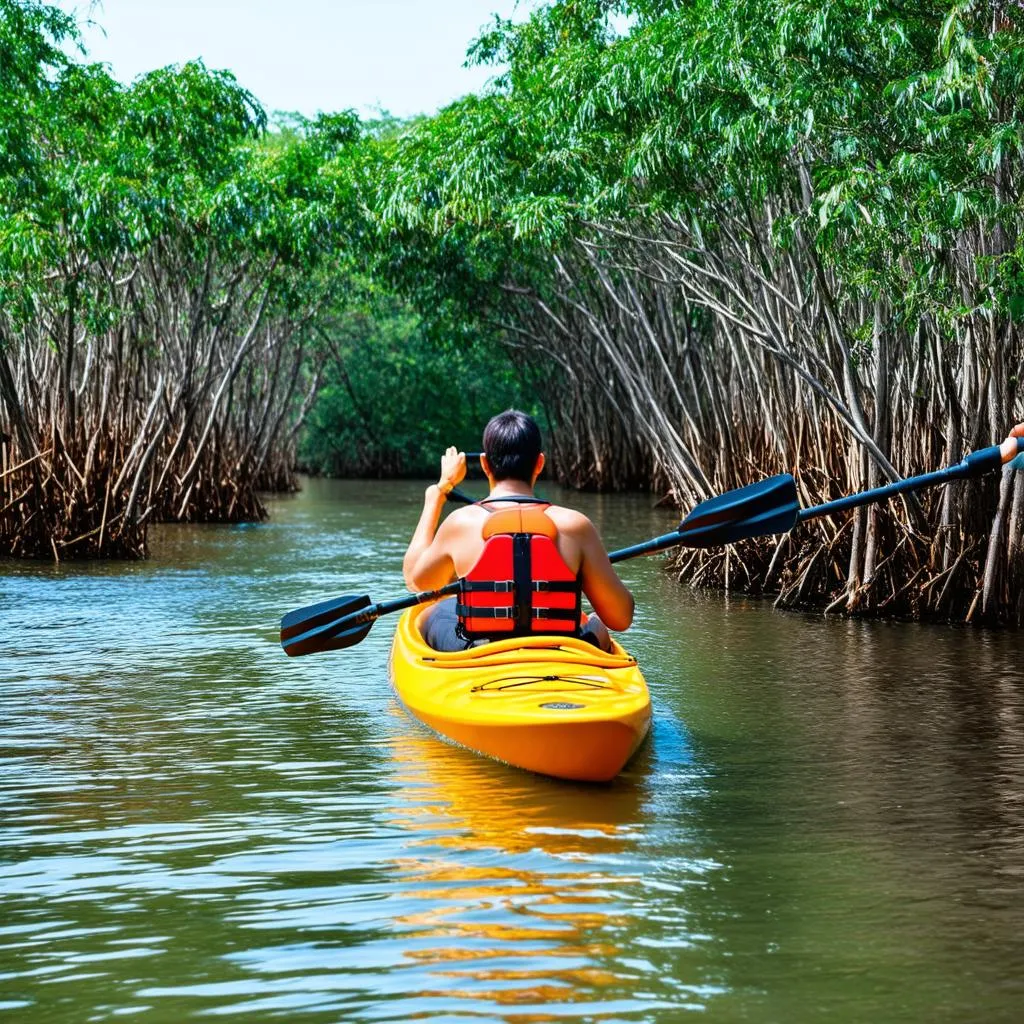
[[827, 823]]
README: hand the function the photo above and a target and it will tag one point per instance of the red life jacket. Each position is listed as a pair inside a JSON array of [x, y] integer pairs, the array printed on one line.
[[520, 584]]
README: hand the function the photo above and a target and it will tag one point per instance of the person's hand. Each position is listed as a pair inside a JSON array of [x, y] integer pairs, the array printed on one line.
[[1008, 449], [453, 469]]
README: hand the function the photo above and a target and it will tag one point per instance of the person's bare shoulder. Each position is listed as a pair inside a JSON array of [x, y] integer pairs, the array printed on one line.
[[463, 518], [570, 521]]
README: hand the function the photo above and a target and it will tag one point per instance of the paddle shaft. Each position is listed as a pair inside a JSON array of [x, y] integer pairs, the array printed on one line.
[[978, 463], [648, 547], [375, 611]]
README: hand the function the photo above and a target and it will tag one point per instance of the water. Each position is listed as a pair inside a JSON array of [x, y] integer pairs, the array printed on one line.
[[825, 825]]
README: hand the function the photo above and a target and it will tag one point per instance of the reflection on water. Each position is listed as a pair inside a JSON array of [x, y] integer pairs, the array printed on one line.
[[538, 851], [827, 824]]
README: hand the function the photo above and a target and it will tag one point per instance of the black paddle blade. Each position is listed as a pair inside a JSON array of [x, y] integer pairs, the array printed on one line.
[[324, 638], [302, 620], [327, 630], [757, 510]]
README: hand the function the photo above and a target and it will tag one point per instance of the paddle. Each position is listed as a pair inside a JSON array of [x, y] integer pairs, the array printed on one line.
[[757, 510], [769, 506], [984, 460], [315, 616], [315, 628]]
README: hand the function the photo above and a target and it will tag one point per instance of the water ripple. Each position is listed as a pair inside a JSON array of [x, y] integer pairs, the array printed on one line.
[[825, 825]]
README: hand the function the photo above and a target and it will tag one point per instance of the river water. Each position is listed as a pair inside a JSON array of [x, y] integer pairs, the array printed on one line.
[[826, 824]]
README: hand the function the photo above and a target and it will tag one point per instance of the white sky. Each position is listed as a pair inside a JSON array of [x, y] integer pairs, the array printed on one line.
[[403, 56]]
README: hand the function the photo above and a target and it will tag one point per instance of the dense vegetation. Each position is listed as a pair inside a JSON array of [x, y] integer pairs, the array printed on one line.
[[732, 239], [158, 280], [394, 396], [179, 287], [759, 236]]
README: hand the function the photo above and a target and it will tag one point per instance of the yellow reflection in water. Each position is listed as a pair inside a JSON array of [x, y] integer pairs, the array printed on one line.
[[521, 881]]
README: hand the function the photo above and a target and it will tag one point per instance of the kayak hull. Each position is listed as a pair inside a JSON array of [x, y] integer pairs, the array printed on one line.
[[552, 705]]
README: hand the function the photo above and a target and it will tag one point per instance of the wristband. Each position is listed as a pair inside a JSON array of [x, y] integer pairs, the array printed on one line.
[[445, 487]]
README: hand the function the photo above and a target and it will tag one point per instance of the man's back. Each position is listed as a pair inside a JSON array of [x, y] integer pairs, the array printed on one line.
[[512, 462], [459, 542], [462, 534]]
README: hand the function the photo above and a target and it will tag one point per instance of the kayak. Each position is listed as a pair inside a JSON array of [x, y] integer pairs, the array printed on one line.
[[550, 704]]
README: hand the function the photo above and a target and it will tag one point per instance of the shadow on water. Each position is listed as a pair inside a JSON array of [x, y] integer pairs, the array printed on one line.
[[825, 825]]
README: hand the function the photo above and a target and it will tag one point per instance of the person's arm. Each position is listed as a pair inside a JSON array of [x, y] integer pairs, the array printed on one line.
[[1009, 446], [416, 566], [427, 564], [606, 592]]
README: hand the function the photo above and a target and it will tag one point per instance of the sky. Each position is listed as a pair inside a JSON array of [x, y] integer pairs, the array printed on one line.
[[402, 56]]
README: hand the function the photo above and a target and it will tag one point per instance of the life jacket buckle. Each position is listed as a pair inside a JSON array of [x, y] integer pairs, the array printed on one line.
[[488, 586]]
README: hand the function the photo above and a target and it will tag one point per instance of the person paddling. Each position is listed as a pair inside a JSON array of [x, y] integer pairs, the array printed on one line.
[[526, 562]]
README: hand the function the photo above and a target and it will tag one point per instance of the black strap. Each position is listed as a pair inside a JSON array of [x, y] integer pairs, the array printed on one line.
[[508, 586], [522, 572], [488, 586], [468, 611], [519, 499], [556, 614]]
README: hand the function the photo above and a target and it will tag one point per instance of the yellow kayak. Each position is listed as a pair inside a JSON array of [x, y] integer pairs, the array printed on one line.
[[553, 705]]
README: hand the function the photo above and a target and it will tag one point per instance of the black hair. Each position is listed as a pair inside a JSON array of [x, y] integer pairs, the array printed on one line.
[[512, 444]]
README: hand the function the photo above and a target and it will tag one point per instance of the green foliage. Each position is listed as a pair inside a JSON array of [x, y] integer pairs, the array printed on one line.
[[395, 397], [878, 135], [176, 168], [31, 35], [903, 119]]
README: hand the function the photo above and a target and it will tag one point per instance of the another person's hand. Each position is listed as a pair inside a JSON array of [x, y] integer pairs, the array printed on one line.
[[1008, 448], [453, 469]]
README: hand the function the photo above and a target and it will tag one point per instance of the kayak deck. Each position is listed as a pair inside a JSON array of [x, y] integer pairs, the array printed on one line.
[[554, 705]]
